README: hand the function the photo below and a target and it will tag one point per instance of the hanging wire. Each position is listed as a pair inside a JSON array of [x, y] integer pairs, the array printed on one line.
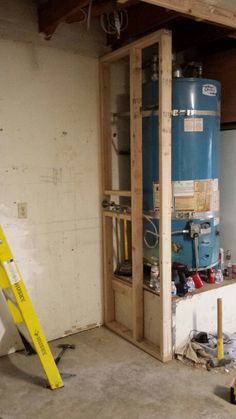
[[89, 14], [114, 23]]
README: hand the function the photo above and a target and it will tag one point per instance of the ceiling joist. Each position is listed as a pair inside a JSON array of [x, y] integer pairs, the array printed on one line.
[[200, 9]]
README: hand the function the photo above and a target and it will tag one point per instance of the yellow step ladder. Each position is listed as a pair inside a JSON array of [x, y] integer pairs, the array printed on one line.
[[23, 312]]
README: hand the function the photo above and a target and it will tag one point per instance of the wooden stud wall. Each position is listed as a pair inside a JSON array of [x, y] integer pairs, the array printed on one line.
[[112, 284]]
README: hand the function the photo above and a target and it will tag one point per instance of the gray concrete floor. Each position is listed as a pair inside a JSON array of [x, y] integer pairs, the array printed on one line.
[[113, 379]]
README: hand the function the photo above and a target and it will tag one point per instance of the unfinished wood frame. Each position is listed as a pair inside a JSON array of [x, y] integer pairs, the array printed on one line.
[[112, 284], [199, 9]]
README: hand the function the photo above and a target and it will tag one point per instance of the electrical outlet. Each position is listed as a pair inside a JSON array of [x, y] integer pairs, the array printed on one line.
[[22, 210]]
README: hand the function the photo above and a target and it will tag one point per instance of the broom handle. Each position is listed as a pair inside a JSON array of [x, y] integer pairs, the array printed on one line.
[[220, 346], [126, 249]]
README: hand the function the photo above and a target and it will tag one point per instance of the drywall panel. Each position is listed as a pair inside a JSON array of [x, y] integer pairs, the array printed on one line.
[[49, 160], [228, 191], [199, 312]]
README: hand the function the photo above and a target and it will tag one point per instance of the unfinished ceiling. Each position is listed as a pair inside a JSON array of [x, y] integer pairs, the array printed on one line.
[[140, 18]]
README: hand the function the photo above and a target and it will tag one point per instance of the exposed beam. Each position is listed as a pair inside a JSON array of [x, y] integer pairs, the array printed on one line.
[[53, 12], [199, 9]]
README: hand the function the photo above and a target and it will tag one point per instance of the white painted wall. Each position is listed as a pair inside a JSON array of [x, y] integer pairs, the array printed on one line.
[[49, 159], [199, 312], [228, 191]]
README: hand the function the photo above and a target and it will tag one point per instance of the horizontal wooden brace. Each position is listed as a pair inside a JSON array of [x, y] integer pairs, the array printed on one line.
[[146, 346], [117, 193], [144, 42]]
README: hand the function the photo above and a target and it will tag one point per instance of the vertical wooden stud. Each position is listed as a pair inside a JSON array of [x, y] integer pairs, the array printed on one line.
[[109, 295], [105, 109], [136, 189], [165, 89], [105, 105]]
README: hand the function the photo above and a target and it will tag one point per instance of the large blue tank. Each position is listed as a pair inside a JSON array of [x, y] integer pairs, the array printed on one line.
[[195, 170]]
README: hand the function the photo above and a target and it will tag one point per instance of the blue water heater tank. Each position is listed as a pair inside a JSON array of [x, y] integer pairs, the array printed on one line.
[[195, 171]]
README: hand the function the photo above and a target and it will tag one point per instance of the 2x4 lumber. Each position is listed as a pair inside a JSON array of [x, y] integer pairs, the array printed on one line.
[[109, 296], [141, 43], [115, 192], [136, 188], [105, 106], [200, 9], [146, 346], [165, 88], [105, 98]]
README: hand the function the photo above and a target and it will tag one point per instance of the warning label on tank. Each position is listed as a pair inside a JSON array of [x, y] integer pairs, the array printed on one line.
[[193, 124], [12, 272], [209, 90], [183, 188]]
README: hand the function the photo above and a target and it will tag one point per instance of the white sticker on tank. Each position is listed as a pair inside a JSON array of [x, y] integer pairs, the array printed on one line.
[[12, 271], [193, 124], [209, 90], [183, 188]]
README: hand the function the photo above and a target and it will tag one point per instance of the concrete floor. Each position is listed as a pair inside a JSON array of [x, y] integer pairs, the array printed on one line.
[[113, 380]]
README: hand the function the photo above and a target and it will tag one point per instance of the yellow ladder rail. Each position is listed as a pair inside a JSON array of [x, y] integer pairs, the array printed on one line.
[[23, 312]]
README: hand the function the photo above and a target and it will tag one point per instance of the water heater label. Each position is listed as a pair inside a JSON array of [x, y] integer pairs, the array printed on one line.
[[193, 124], [209, 90], [183, 188]]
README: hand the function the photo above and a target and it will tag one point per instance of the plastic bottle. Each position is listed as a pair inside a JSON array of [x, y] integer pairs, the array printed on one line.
[[190, 284], [219, 277], [173, 289], [154, 274]]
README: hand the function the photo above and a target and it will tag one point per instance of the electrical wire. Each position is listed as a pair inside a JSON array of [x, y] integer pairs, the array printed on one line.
[[89, 14], [115, 22], [153, 233]]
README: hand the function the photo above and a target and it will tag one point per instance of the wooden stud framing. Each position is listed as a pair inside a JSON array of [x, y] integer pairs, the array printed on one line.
[[105, 96], [111, 283], [117, 193], [109, 296], [136, 189], [165, 71], [105, 103]]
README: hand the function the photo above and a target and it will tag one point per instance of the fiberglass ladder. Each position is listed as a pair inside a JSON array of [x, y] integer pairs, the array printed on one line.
[[23, 313]]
